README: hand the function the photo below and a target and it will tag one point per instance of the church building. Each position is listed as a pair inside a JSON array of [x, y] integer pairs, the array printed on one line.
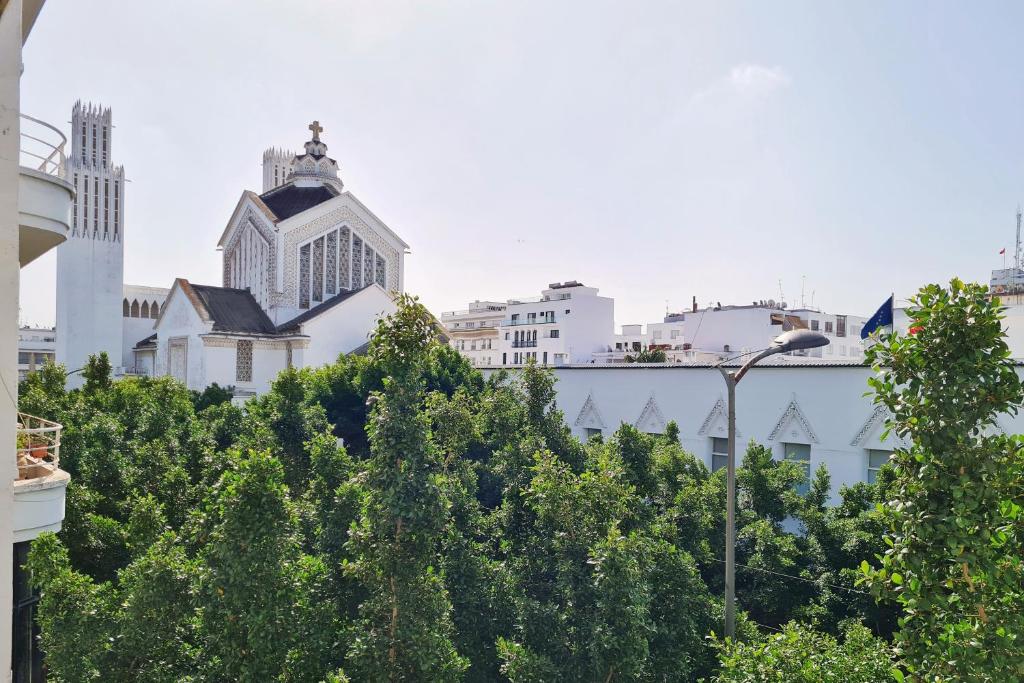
[[307, 271]]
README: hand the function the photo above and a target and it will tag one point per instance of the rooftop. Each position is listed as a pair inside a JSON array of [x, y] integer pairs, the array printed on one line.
[[289, 200]]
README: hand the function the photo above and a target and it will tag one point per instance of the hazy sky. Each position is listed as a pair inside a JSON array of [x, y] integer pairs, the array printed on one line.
[[655, 150]]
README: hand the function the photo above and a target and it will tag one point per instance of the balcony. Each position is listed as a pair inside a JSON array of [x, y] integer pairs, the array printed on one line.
[[44, 195], [39, 489], [516, 322], [524, 344]]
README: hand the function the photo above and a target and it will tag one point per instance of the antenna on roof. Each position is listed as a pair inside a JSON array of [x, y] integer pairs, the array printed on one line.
[[803, 281], [782, 297], [1016, 256]]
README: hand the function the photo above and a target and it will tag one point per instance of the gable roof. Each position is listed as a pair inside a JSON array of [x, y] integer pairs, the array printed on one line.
[[294, 323], [288, 200], [233, 310], [148, 342]]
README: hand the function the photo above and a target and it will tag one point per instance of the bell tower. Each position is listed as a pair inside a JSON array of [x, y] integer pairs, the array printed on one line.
[[90, 264]]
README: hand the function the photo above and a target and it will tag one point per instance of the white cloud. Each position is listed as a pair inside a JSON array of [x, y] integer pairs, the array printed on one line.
[[747, 81]]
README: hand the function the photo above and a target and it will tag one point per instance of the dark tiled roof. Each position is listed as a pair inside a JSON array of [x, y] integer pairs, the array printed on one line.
[[148, 341], [288, 200], [293, 324], [234, 310]]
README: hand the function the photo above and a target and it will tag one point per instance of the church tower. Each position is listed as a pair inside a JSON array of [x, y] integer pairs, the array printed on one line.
[[90, 264], [277, 166]]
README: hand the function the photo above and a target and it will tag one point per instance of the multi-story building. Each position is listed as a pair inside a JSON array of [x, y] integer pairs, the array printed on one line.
[[730, 330], [474, 330], [36, 347], [567, 323], [633, 339], [35, 216]]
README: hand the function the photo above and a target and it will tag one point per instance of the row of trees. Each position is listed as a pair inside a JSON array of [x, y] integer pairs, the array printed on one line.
[[396, 517]]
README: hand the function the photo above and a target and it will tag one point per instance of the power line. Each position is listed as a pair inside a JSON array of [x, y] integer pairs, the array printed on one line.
[[799, 578]]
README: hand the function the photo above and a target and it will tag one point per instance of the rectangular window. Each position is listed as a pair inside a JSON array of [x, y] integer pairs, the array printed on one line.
[[95, 203], [94, 145], [318, 269], [828, 327], [674, 334], [23, 358], [106, 207], [304, 276], [814, 325], [504, 359], [591, 432], [382, 272], [74, 218], [876, 458], [368, 261], [719, 453], [104, 145], [357, 262], [243, 360], [840, 325], [85, 205], [554, 334], [800, 453], [332, 263], [344, 260], [117, 208]]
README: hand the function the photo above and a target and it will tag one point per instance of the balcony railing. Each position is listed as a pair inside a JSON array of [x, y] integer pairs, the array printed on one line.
[[523, 344], [38, 449], [42, 147], [515, 322]]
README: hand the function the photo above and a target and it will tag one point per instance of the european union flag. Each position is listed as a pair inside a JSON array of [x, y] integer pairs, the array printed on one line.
[[881, 318]]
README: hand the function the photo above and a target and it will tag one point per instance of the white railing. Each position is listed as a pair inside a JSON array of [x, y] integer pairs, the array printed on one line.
[[38, 446], [42, 147]]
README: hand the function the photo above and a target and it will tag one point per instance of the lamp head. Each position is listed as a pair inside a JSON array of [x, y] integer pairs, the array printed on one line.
[[796, 340]]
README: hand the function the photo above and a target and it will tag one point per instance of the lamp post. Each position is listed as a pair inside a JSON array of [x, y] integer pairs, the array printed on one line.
[[788, 341]]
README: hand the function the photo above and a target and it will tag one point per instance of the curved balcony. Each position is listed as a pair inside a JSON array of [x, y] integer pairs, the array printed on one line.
[[41, 484], [44, 195]]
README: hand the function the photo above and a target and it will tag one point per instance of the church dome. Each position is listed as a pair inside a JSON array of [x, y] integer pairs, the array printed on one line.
[[315, 167]]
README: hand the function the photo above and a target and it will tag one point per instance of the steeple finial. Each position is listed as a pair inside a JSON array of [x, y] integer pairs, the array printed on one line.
[[317, 129]]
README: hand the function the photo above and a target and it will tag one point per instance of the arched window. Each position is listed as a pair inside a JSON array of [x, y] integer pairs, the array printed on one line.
[[145, 309], [125, 310], [154, 310], [135, 308]]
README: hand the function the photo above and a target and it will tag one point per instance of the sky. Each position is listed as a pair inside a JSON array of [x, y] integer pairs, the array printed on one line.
[[657, 150]]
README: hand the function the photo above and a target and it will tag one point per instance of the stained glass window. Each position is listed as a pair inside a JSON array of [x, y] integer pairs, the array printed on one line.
[[304, 276], [331, 286], [357, 262], [318, 269], [344, 260], [382, 272]]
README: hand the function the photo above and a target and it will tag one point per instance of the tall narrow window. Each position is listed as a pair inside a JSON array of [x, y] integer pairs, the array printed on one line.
[[876, 458], [318, 269], [85, 205], [368, 267], [840, 325], [344, 260], [357, 262], [106, 207], [800, 453], [95, 202], [145, 309], [74, 217], [243, 360], [135, 308], [304, 276], [117, 208], [104, 145], [154, 310], [719, 453], [84, 145], [382, 272], [126, 309], [331, 285], [94, 144]]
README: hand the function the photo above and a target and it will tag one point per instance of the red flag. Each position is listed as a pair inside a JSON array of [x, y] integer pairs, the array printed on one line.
[[1002, 251]]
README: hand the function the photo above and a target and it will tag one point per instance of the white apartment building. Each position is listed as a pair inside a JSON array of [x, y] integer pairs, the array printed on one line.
[[663, 336], [567, 323], [36, 347], [730, 330], [35, 216], [474, 330]]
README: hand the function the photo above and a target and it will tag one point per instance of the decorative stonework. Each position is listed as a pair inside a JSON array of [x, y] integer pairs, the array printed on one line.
[[793, 413], [251, 219], [589, 416], [243, 360], [343, 217], [717, 421], [651, 419], [877, 418]]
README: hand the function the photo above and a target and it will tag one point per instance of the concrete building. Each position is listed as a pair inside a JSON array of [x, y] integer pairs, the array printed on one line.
[[567, 323], [140, 308], [665, 337], [36, 347], [35, 216], [474, 330]]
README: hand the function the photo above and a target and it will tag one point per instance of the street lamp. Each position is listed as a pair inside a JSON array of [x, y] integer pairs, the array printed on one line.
[[794, 340]]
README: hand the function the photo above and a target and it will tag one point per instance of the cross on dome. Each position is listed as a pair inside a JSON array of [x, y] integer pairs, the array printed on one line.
[[317, 129]]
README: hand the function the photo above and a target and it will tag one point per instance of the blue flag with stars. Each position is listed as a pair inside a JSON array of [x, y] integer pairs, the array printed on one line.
[[881, 318]]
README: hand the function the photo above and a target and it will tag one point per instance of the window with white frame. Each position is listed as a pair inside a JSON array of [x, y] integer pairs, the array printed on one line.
[[800, 453], [876, 458], [591, 432], [719, 453], [243, 360]]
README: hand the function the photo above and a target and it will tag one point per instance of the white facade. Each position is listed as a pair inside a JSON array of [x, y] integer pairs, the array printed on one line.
[[277, 166], [473, 331], [816, 404], [140, 307], [35, 213], [730, 330], [566, 324], [90, 264], [666, 337], [36, 347]]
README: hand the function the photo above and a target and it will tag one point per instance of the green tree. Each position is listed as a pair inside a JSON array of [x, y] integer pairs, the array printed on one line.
[[956, 532]]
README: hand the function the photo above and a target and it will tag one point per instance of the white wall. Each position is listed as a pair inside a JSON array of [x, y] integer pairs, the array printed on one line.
[[830, 397], [180, 320], [220, 364], [346, 326]]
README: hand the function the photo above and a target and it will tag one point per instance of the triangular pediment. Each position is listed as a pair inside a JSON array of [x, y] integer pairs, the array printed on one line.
[[870, 433], [651, 420], [793, 426], [589, 416], [717, 421]]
